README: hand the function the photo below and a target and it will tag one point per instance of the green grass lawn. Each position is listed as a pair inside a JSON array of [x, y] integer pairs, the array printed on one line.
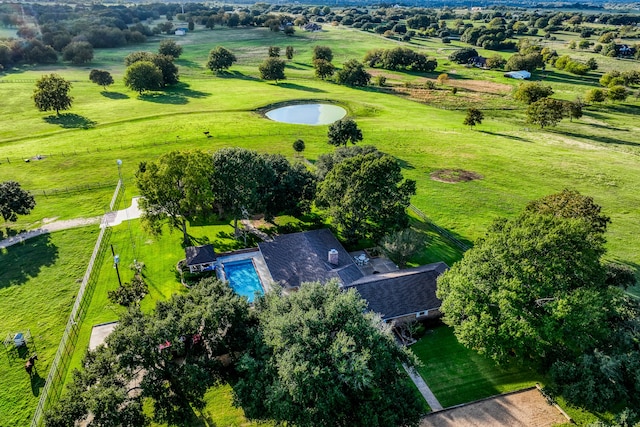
[[596, 155], [458, 375], [39, 280]]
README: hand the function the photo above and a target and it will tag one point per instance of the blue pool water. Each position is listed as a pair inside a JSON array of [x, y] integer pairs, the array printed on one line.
[[243, 278]]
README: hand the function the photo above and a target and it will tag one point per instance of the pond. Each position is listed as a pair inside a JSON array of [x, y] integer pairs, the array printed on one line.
[[307, 114]]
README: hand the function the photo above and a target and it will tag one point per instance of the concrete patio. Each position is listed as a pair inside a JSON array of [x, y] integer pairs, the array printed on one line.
[[375, 265]]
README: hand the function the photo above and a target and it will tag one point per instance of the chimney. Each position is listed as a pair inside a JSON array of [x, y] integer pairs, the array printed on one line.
[[333, 257]]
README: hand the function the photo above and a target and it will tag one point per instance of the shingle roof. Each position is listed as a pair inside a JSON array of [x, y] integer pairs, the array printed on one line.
[[302, 257], [403, 292], [200, 254]]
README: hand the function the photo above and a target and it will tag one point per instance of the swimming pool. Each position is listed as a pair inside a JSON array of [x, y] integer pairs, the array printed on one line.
[[243, 278]]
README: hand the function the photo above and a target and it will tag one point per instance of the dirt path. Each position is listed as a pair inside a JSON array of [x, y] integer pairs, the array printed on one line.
[[112, 219]]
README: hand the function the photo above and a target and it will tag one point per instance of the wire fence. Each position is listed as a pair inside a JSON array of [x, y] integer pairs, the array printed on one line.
[[447, 235], [54, 384]]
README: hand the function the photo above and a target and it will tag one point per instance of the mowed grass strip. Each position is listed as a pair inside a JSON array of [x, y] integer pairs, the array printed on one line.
[[458, 375], [39, 280]]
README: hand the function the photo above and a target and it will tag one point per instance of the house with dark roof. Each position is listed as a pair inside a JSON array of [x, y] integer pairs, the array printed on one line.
[[308, 256], [293, 259], [409, 293], [200, 258]]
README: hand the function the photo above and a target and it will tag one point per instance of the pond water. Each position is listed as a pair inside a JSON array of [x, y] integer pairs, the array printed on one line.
[[307, 114]]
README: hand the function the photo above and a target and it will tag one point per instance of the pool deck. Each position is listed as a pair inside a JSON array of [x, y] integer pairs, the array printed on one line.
[[258, 261]]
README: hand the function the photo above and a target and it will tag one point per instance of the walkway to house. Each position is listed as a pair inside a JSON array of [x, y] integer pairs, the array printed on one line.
[[113, 219], [424, 389]]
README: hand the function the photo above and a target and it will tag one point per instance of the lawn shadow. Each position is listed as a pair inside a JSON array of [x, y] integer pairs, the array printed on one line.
[[598, 138], [504, 135], [70, 121], [164, 98], [10, 232], [26, 259], [114, 95], [405, 164], [552, 76], [237, 75], [37, 382], [178, 94], [299, 87]]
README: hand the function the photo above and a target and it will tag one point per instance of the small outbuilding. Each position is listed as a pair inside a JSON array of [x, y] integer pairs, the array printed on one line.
[[519, 75], [200, 258]]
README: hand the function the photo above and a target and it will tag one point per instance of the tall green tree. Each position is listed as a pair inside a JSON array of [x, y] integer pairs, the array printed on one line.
[[322, 52], [272, 69], [530, 92], [220, 59], [171, 48], [343, 131], [571, 204], [317, 360], [473, 117], [401, 245], [366, 196], [545, 112], [78, 52], [175, 354], [14, 201], [142, 76], [52, 93], [353, 74], [289, 51], [292, 190], [241, 182], [101, 77], [175, 188], [323, 68], [531, 290]]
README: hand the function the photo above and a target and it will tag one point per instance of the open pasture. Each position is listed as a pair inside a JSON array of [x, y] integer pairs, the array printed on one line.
[[598, 154]]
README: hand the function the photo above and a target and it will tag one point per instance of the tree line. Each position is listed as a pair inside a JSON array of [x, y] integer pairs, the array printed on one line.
[[361, 189]]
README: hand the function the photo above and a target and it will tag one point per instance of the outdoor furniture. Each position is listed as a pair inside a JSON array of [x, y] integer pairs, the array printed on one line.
[[19, 340], [361, 259]]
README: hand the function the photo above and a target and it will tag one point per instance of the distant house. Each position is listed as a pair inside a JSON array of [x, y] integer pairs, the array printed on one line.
[[624, 50], [180, 32], [404, 294], [312, 26], [317, 255], [478, 61], [200, 258], [519, 75]]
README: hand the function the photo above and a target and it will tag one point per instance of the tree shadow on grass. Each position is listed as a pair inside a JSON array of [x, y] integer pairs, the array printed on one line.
[[114, 95], [504, 135], [597, 138], [178, 94], [237, 75], [299, 87], [37, 382], [164, 98], [24, 261], [10, 232], [70, 121]]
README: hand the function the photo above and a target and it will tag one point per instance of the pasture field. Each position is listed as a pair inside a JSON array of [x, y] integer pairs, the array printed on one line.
[[597, 155], [39, 280]]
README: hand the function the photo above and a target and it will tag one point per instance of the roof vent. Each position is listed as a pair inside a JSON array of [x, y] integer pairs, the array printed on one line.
[[333, 257]]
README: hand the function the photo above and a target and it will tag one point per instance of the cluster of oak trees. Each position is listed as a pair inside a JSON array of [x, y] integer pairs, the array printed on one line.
[[536, 291], [314, 358], [361, 188]]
